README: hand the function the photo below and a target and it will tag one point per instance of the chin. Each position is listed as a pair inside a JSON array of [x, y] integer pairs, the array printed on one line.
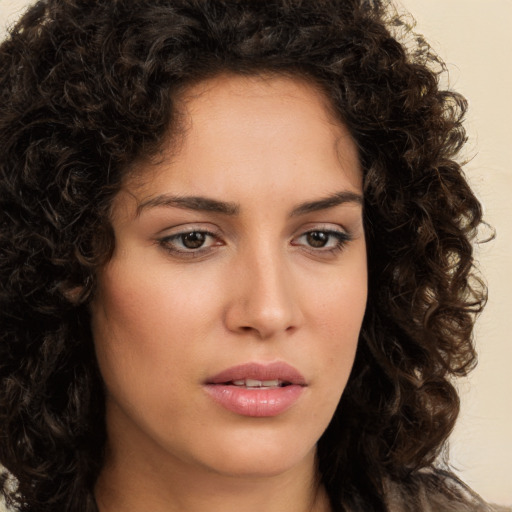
[[258, 467], [260, 457]]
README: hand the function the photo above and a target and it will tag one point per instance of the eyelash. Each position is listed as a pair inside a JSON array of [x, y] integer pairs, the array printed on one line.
[[167, 242], [342, 238]]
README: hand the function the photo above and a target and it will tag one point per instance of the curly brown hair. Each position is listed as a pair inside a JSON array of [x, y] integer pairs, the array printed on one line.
[[88, 87]]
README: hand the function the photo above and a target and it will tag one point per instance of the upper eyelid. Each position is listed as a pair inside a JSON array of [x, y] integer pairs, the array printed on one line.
[[325, 230], [213, 230], [189, 228], [330, 227], [341, 235], [175, 236]]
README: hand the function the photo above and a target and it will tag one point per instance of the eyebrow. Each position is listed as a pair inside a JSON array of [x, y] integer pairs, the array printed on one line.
[[331, 201], [205, 204], [197, 203]]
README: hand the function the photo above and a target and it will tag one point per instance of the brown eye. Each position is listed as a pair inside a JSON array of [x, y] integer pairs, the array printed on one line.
[[322, 241], [190, 243], [317, 238], [193, 240]]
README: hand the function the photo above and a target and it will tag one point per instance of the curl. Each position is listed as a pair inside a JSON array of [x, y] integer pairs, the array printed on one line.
[[87, 89]]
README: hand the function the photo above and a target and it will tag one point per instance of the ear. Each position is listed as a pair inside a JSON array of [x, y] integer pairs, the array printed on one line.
[[73, 295]]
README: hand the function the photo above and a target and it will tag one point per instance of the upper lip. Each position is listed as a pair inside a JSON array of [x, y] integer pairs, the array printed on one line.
[[278, 370]]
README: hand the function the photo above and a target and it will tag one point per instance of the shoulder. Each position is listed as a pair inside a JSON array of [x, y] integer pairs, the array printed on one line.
[[434, 490]]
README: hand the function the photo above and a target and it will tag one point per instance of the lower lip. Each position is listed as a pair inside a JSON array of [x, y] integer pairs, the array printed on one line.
[[255, 402]]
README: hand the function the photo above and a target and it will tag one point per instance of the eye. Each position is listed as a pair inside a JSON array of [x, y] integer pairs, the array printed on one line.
[[193, 240], [318, 238], [190, 243], [323, 240]]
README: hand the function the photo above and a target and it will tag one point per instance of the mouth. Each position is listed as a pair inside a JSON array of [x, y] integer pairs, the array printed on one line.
[[259, 375], [257, 390], [258, 384]]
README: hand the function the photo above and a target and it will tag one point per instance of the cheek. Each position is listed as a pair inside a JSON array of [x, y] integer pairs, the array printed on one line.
[[338, 314], [150, 326], [138, 326], [147, 304], [339, 299]]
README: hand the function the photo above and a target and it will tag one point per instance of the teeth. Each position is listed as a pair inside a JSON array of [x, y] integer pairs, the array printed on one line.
[[253, 383]]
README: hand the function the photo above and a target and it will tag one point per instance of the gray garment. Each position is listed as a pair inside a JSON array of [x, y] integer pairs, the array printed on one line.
[[436, 491], [425, 495]]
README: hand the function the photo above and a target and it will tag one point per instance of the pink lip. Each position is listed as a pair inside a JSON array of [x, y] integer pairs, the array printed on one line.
[[257, 402], [260, 371]]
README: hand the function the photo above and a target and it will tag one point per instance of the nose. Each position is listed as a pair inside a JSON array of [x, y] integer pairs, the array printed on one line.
[[264, 300]]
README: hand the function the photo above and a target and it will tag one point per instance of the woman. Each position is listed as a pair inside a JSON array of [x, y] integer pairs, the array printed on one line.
[[236, 260]]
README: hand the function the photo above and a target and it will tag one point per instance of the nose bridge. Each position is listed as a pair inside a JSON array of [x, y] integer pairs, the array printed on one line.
[[265, 302]]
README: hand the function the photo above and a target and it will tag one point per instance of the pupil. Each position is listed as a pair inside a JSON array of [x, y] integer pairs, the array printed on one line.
[[317, 238], [193, 240]]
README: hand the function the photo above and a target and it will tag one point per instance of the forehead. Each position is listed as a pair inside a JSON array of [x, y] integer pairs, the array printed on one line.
[[273, 103], [231, 122], [250, 90]]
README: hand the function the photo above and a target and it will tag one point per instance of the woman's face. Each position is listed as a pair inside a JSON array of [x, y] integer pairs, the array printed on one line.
[[227, 320]]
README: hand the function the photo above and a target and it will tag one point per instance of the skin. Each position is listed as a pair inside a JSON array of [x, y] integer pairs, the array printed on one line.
[[167, 317]]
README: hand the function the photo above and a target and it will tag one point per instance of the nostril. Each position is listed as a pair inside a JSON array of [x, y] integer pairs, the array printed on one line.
[[259, 315]]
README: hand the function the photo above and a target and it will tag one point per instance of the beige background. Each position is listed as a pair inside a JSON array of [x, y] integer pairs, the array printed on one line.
[[474, 37]]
